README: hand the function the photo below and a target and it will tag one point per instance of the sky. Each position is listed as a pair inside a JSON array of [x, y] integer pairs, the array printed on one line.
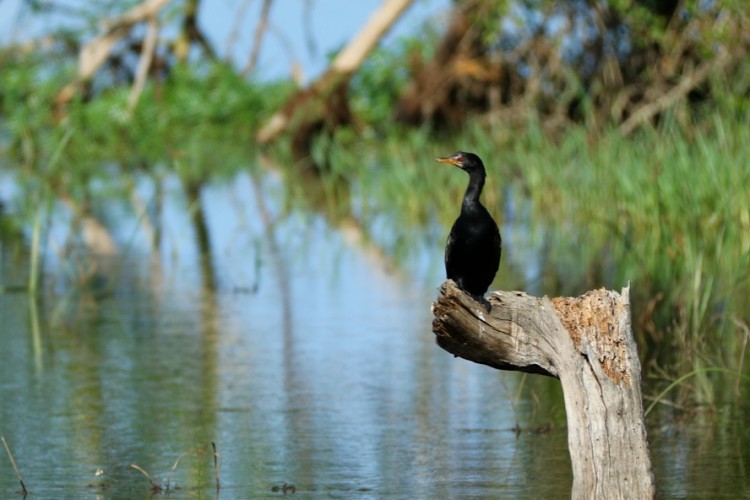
[[301, 31]]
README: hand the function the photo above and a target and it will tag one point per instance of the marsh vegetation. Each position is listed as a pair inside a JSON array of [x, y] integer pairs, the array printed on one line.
[[586, 195]]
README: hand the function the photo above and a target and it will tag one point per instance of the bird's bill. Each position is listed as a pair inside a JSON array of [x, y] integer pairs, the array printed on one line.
[[453, 160]]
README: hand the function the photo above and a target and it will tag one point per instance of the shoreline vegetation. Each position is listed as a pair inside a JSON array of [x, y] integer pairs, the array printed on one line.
[[664, 206]]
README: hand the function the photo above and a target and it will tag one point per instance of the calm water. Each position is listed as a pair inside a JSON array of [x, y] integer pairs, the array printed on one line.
[[300, 355]]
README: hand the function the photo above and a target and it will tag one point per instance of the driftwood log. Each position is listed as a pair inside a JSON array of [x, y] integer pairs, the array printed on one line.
[[585, 342]]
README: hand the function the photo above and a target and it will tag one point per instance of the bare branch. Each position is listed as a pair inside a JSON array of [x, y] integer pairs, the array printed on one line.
[[685, 85], [323, 99], [95, 52], [260, 30], [144, 64], [351, 57]]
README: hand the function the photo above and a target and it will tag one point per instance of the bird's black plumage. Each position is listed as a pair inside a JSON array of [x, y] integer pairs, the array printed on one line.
[[472, 252]]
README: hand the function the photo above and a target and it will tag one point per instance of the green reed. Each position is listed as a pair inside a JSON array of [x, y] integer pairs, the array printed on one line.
[[667, 210]]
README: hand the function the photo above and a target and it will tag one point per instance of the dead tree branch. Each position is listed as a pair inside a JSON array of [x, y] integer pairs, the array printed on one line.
[[144, 64], [308, 110], [686, 84], [260, 30], [587, 343], [96, 51]]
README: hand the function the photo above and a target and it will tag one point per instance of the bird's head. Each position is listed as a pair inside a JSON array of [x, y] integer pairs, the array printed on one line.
[[465, 161]]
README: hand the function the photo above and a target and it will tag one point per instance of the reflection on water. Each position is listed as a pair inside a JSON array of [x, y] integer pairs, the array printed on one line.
[[293, 350]]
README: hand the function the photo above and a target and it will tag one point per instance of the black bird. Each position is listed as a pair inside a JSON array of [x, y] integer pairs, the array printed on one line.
[[472, 253]]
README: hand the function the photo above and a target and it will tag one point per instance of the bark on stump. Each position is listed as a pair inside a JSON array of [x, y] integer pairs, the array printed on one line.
[[585, 342]]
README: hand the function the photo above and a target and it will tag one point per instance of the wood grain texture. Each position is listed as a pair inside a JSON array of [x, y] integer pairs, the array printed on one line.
[[587, 343]]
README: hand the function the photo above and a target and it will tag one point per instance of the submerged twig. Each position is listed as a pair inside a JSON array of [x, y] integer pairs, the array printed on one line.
[[285, 488], [15, 467], [174, 467], [217, 466], [155, 487]]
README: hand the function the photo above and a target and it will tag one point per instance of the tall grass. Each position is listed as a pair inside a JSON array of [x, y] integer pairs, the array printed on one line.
[[667, 210], [670, 211]]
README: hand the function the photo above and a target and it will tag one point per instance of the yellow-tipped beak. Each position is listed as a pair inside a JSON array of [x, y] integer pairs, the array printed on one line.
[[453, 160]]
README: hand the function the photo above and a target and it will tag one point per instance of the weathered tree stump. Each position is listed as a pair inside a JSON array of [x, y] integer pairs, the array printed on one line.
[[587, 343]]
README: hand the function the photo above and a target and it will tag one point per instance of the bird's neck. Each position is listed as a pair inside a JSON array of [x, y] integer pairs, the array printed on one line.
[[474, 189]]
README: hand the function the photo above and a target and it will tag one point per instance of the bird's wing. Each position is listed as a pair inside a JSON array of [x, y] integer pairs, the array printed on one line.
[[449, 246], [498, 245]]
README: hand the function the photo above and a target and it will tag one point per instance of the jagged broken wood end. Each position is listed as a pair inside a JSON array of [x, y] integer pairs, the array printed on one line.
[[523, 333], [587, 343]]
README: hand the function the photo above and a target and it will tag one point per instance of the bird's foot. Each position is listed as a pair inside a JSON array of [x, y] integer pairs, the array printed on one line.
[[485, 303]]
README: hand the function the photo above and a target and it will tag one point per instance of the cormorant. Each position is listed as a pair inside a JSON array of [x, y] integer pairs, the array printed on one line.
[[472, 252]]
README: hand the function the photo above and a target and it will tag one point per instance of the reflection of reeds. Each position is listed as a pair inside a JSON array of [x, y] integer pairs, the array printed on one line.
[[217, 466], [666, 210], [36, 234], [662, 211]]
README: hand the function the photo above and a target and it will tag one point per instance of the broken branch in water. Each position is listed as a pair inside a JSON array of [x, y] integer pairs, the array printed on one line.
[[155, 487]]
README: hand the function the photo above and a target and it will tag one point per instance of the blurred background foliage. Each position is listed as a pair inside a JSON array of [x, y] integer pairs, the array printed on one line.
[[620, 125]]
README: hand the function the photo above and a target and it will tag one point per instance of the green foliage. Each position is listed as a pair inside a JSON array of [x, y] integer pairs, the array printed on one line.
[[662, 210], [665, 210], [192, 106], [651, 23], [176, 118], [28, 86], [377, 86], [641, 17]]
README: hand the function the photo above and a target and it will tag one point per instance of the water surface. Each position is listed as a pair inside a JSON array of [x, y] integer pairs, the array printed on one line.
[[304, 356]]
